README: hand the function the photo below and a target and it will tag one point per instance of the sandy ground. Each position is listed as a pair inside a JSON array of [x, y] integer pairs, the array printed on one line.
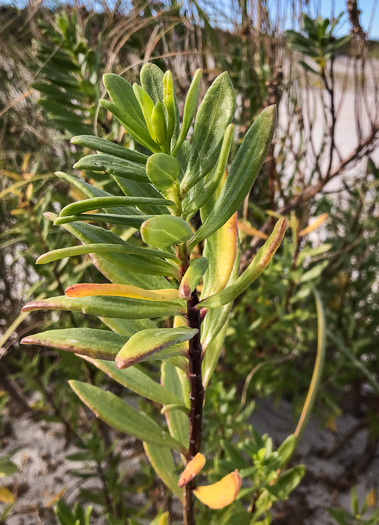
[[44, 473]]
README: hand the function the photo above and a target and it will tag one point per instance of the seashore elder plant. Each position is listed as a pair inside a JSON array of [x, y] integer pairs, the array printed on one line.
[[173, 281]]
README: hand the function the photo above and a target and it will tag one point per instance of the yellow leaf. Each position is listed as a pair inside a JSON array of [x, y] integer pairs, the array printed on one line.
[[52, 501], [274, 214], [315, 224], [221, 262], [179, 321], [371, 498], [25, 163], [331, 424], [6, 495], [246, 227], [164, 519], [121, 290], [29, 191], [193, 467], [10, 174], [222, 493]]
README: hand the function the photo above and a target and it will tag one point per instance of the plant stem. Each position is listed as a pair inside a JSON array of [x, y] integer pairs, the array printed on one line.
[[196, 393]]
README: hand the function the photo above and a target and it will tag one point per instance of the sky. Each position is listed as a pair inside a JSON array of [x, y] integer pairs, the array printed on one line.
[[365, 6], [325, 7]]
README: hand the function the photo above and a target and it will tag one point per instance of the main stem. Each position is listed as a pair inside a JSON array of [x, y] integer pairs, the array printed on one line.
[[196, 394]]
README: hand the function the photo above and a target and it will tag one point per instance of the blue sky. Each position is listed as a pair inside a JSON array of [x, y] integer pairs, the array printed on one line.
[[364, 5], [324, 6]]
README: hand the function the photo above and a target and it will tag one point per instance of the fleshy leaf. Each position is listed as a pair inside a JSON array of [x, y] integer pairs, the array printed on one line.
[[137, 381], [143, 189], [98, 344], [147, 342], [135, 221], [114, 165], [121, 268], [213, 116], [106, 146], [189, 109], [122, 416], [162, 170], [212, 181], [163, 463], [242, 174], [177, 382], [192, 277], [220, 494], [91, 191], [151, 77], [162, 231], [252, 272], [171, 106], [119, 307], [158, 121], [221, 250], [146, 104], [121, 290], [109, 202], [192, 468], [101, 248], [126, 109]]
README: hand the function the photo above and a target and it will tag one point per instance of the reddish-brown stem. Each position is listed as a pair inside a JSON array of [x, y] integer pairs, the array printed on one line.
[[196, 393]]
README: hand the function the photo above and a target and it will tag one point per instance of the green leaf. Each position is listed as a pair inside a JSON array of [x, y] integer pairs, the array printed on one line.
[[192, 277], [92, 192], [135, 221], [171, 105], [158, 121], [287, 482], [242, 174], [97, 344], [141, 189], [113, 165], [212, 181], [147, 106], [137, 381], [151, 77], [64, 514], [106, 146], [308, 68], [104, 248], [189, 109], [214, 348], [162, 170], [162, 231], [286, 449], [176, 381], [122, 416], [317, 370], [7, 467], [163, 463], [109, 202], [214, 114], [123, 268], [120, 307], [314, 272], [126, 109], [252, 272], [148, 342]]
